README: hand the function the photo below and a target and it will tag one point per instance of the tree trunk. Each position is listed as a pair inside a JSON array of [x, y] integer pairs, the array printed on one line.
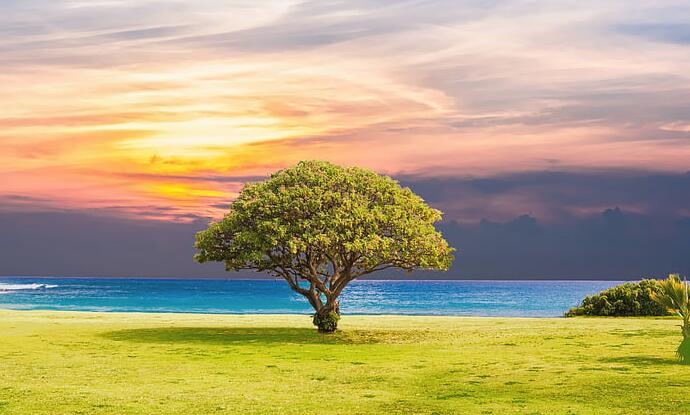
[[683, 351], [326, 318]]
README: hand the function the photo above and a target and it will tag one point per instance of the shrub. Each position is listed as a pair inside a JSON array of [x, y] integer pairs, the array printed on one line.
[[625, 300], [674, 296]]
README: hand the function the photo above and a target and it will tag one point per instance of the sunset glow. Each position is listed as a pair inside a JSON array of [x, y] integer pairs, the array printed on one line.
[[156, 111]]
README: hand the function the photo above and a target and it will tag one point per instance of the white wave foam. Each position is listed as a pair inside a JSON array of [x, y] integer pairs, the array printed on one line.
[[16, 287]]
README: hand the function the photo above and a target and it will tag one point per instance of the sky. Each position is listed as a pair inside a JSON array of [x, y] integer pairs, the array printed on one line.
[[543, 129]]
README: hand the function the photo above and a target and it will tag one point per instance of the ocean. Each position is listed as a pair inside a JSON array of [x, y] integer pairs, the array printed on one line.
[[409, 297]]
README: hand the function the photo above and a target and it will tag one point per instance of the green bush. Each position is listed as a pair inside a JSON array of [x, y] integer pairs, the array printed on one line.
[[625, 300]]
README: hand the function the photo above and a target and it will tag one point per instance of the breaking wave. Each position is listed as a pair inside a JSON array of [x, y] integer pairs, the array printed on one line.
[[17, 287]]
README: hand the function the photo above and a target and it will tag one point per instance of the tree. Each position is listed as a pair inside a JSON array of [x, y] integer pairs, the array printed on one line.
[[674, 296], [320, 226]]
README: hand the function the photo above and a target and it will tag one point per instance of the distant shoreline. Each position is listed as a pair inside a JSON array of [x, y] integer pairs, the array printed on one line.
[[42, 311], [201, 278]]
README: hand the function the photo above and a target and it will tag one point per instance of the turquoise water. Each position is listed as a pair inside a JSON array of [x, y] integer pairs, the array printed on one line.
[[457, 298]]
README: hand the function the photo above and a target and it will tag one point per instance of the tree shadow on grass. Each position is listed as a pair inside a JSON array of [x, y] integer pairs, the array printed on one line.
[[256, 335], [647, 333], [641, 360]]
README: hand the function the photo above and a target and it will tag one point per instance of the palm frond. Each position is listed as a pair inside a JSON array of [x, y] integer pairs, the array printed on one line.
[[674, 295], [683, 351]]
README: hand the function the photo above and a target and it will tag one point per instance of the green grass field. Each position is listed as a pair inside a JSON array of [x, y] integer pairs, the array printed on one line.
[[101, 363]]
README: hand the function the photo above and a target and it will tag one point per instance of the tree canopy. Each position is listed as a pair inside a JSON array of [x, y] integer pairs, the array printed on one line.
[[319, 226]]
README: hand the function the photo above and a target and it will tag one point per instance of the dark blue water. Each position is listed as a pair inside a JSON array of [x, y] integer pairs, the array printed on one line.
[[456, 298]]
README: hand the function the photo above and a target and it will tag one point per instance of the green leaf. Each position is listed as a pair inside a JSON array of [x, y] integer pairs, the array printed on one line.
[[318, 220]]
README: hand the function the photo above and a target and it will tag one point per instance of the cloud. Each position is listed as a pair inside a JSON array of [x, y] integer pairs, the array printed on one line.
[[313, 24], [663, 32], [609, 224], [612, 244], [80, 244], [139, 103], [555, 196]]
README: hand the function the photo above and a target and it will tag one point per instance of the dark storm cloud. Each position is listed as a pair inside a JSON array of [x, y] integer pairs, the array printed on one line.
[[611, 245], [556, 196], [643, 230], [81, 244]]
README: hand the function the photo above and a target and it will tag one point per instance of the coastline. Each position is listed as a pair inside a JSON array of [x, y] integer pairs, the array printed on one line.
[[404, 297], [377, 279]]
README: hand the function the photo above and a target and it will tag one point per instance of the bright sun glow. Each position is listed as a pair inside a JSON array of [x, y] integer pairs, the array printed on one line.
[[176, 109]]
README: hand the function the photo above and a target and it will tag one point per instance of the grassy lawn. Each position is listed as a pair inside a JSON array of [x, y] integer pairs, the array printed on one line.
[[101, 363]]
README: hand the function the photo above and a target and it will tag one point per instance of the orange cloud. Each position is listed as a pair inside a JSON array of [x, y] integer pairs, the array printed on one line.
[[112, 108]]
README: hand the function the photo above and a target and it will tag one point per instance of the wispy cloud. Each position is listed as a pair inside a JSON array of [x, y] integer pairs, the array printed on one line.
[[662, 32], [138, 103]]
